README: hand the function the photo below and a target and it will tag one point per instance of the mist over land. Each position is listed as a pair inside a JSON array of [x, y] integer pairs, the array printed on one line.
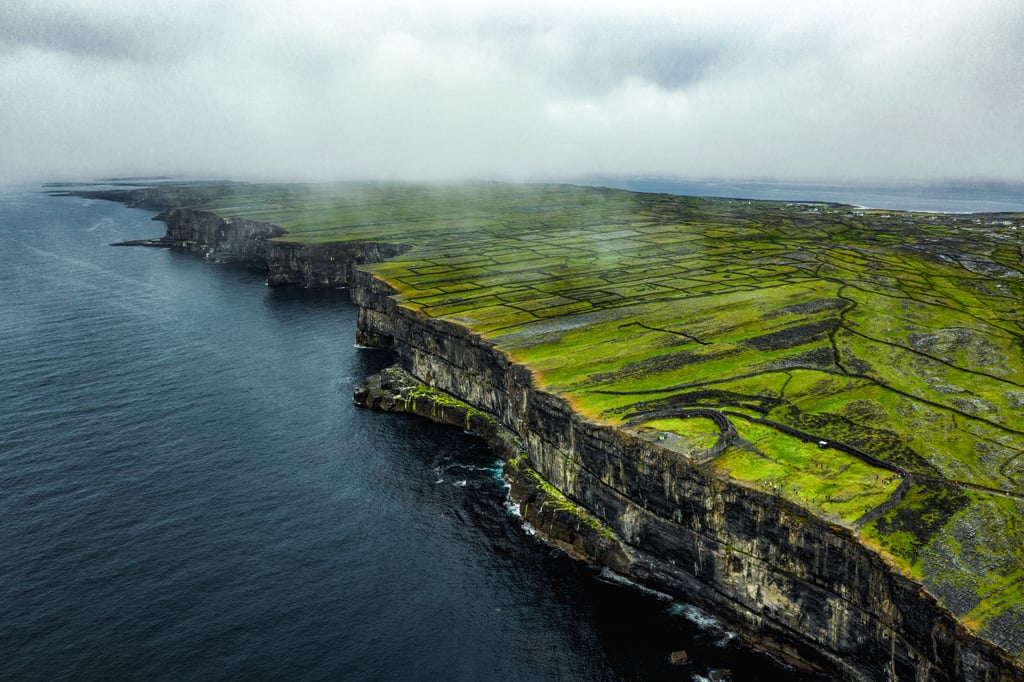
[[795, 91], [736, 94]]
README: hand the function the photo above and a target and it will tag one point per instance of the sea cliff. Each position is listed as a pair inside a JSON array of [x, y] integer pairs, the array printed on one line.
[[803, 587], [799, 586]]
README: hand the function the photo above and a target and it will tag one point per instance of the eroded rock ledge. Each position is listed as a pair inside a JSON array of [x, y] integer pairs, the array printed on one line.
[[557, 519], [801, 587]]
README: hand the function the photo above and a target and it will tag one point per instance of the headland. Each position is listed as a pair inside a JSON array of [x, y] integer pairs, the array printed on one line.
[[801, 416]]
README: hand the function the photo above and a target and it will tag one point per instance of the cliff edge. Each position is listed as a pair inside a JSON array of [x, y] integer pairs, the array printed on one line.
[[730, 402]]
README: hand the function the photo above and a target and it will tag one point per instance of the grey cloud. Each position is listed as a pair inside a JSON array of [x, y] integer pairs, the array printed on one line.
[[669, 63], [795, 90], [583, 53], [96, 31]]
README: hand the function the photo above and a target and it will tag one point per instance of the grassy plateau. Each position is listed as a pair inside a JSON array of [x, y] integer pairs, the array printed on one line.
[[871, 362]]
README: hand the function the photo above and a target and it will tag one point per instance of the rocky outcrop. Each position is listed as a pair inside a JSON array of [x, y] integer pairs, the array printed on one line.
[[557, 519], [801, 587]]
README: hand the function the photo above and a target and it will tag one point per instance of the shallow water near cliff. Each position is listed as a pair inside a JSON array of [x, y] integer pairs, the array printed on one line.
[[188, 492]]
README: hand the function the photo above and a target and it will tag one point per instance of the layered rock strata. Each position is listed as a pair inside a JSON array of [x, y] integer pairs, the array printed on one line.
[[801, 587]]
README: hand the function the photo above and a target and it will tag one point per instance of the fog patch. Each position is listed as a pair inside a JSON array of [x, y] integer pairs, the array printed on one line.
[[456, 90]]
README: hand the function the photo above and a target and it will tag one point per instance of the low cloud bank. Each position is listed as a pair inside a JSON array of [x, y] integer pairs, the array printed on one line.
[[308, 90]]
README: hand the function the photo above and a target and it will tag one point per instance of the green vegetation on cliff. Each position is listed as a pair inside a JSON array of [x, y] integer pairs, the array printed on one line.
[[871, 362]]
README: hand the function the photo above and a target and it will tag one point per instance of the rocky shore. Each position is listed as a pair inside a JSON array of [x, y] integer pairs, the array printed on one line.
[[803, 588]]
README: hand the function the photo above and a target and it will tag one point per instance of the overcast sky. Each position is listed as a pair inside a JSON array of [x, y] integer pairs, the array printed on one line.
[[789, 90]]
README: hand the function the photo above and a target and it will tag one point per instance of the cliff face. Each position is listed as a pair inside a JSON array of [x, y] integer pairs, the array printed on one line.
[[246, 241], [801, 587], [798, 585]]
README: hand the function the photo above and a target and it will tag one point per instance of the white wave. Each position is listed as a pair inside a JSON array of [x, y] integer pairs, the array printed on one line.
[[698, 617], [469, 467], [460, 484], [530, 530], [609, 576], [726, 639]]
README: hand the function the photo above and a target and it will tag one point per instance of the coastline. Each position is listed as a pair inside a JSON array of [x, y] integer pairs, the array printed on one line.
[[657, 519], [800, 587]]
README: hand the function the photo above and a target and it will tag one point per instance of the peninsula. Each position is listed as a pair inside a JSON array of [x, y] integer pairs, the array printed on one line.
[[804, 417]]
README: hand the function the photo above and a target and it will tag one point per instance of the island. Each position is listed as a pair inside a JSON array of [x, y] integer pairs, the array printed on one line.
[[801, 416]]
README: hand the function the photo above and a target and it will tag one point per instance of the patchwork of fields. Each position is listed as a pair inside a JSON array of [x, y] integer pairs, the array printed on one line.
[[870, 362]]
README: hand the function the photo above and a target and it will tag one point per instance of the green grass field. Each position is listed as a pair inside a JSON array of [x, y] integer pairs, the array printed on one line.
[[895, 338]]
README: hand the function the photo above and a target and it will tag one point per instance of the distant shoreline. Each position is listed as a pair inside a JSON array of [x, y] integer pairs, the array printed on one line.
[[940, 197]]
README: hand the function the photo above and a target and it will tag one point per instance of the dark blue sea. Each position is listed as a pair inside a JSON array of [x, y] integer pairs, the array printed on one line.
[[188, 492]]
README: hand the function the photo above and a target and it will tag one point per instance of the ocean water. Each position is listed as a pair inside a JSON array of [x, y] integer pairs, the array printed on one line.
[[188, 492]]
